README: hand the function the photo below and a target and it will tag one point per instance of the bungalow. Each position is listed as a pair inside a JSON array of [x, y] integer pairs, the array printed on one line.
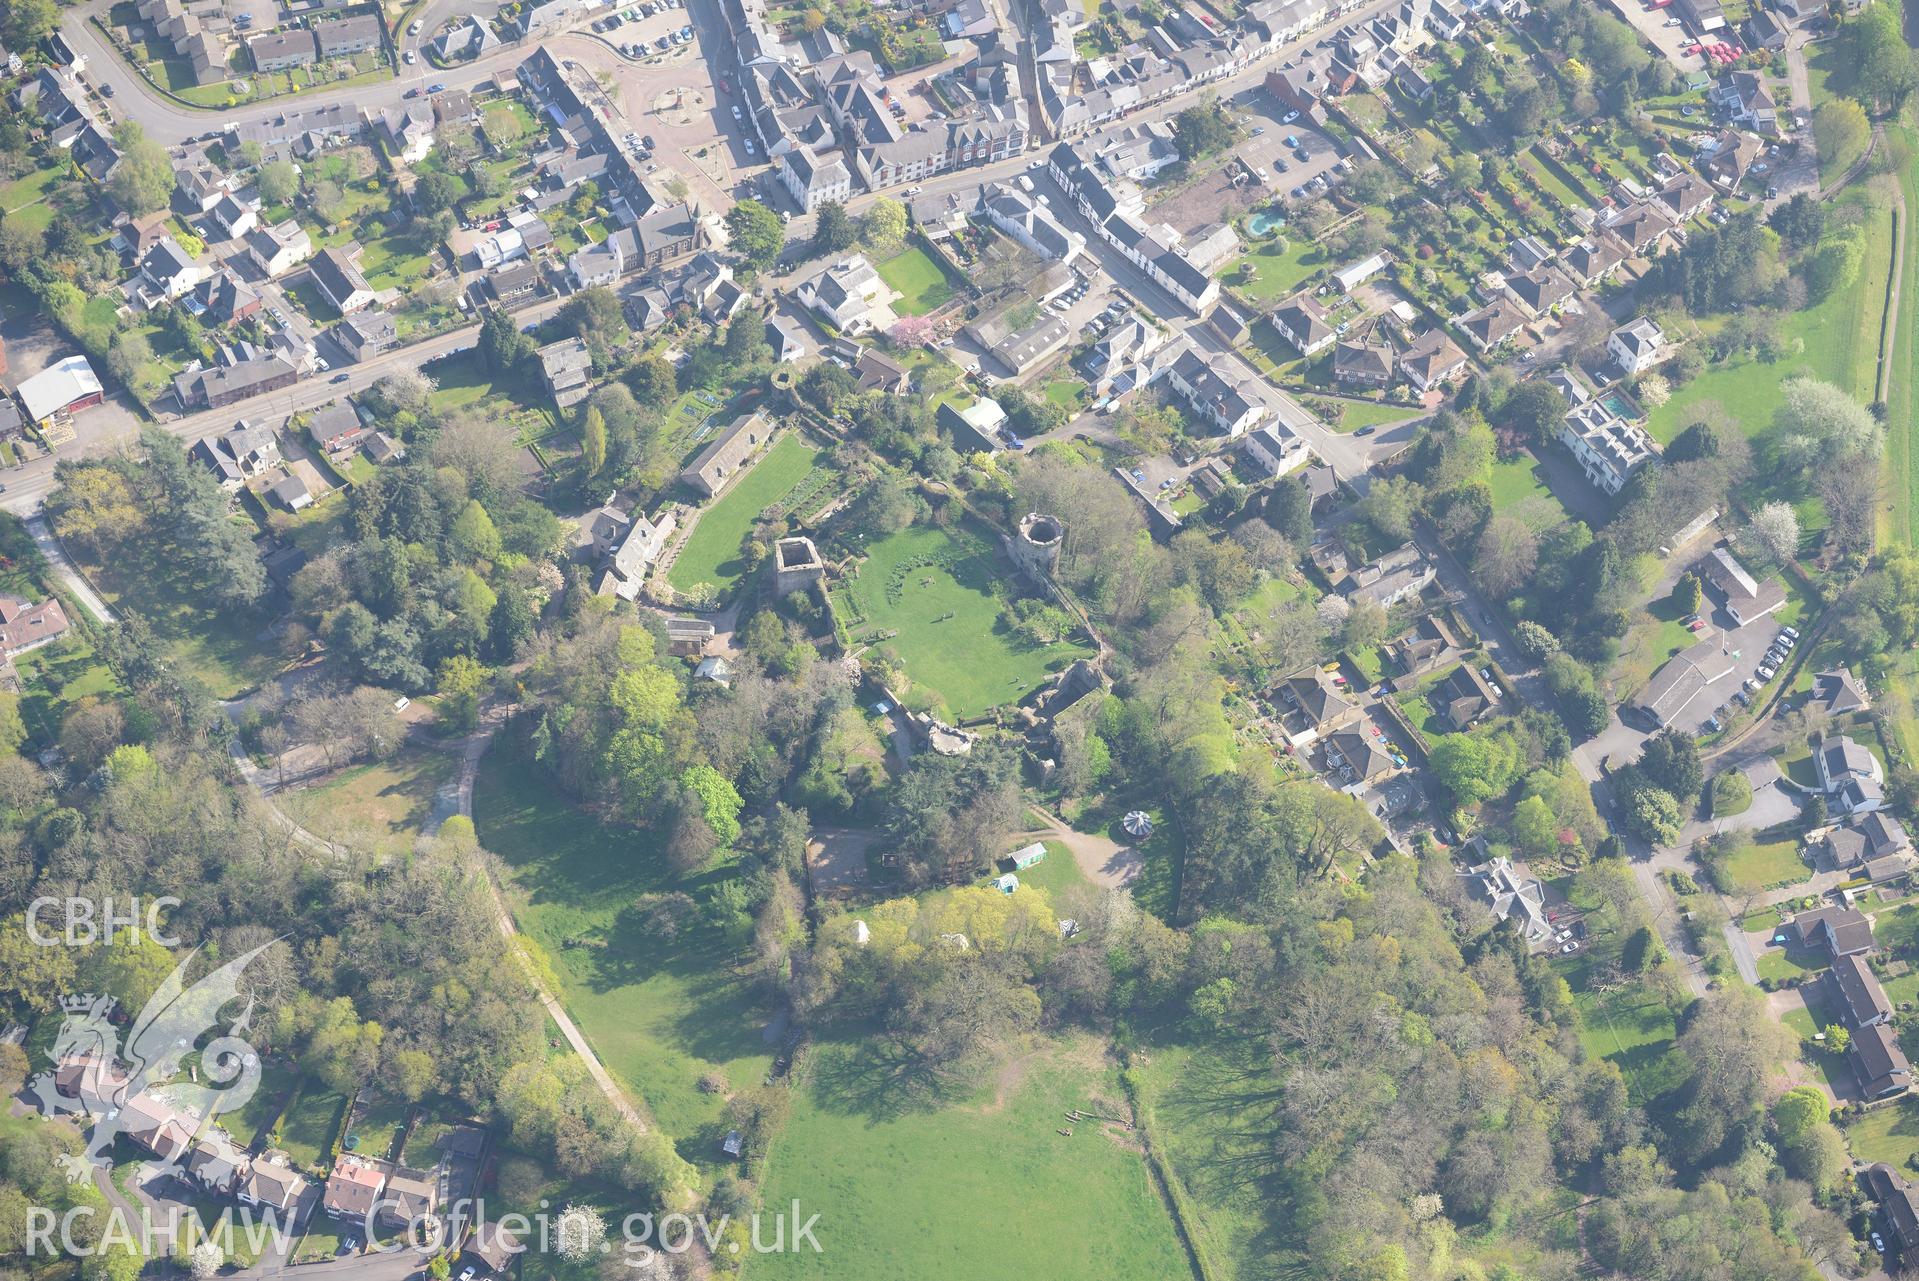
[[1839, 692], [1431, 359], [337, 274], [1277, 450], [336, 428], [1610, 449], [564, 368], [1878, 1062], [25, 625], [1301, 321], [1839, 931], [713, 466], [1856, 992], [217, 1164], [1745, 599], [1850, 775], [513, 282], [492, 1248], [850, 296], [1464, 697], [1898, 1200], [1876, 838], [1636, 347]]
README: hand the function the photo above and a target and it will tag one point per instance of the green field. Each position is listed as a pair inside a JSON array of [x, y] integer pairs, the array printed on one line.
[[1841, 343], [1902, 455], [983, 1188], [930, 595], [662, 1012], [921, 283], [712, 551], [378, 807]]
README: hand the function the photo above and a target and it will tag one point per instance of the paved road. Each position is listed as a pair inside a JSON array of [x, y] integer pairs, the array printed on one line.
[[57, 557]]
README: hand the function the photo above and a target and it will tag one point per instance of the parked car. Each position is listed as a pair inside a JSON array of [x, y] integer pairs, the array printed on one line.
[[339, 378], [1765, 674], [1290, 116], [1790, 633], [414, 27], [1367, 430], [411, 57]]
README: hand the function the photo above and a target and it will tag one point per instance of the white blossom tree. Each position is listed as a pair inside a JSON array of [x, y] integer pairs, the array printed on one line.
[[579, 1233], [206, 1259], [1774, 532]]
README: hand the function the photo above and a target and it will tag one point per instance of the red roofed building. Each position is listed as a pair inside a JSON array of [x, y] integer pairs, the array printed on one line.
[[24, 626]]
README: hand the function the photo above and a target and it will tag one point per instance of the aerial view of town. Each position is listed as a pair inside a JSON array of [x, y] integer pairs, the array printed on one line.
[[1096, 640]]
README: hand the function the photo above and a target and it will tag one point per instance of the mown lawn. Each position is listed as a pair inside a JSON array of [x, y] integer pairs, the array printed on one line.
[[921, 283], [1628, 1025], [379, 807], [907, 1186], [56, 677], [1841, 343], [1755, 866], [1519, 492], [712, 550], [309, 1123], [1278, 267], [662, 1012], [928, 595], [1889, 1134]]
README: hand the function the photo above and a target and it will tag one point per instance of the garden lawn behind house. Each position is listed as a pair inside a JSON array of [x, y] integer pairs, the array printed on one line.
[[921, 283], [380, 806]]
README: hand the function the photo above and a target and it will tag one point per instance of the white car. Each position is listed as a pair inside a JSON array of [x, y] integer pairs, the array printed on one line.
[[401, 703], [1765, 674], [1289, 117], [736, 111], [414, 27], [411, 57], [914, 191], [751, 150]]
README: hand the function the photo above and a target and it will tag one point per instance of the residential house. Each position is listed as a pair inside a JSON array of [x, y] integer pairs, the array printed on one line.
[[353, 1188], [26, 625], [468, 40], [1116, 361], [1744, 97], [1878, 837], [1593, 260], [727, 455], [1608, 448], [198, 187], [281, 50], [1642, 227], [786, 337], [278, 250], [850, 296], [1837, 931], [513, 282], [1276, 449], [1839, 692], [365, 334], [1878, 1062], [1423, 649], [1359, 757], [1322, 706], [337, 273], [1431, 360], [492, 1248], [974, 429], [222, 299], [1638, 346], [1512, 897], [813, 179], [1850, 775], [1856, 993], [1746, 599], [1364, 362], [1391, 578], [878, 371], [291, 492], [239, 453], [637, 550], [344, 37], [1223, 401], [156, 1126], [1731, 158], [1464, 697], [1031, 224], [1898, 1200], [243, 376], [336, 428], [1685, 196], [1493, 324], [271, 1185], [407, 130], [234, 217], [168, 272], [216, 1164], [1539, 292], [565, 367], [1301, 321]]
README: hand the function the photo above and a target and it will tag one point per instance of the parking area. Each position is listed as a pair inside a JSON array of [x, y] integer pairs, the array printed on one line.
[[1662, 28], [653, 28], [1274, 144]]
